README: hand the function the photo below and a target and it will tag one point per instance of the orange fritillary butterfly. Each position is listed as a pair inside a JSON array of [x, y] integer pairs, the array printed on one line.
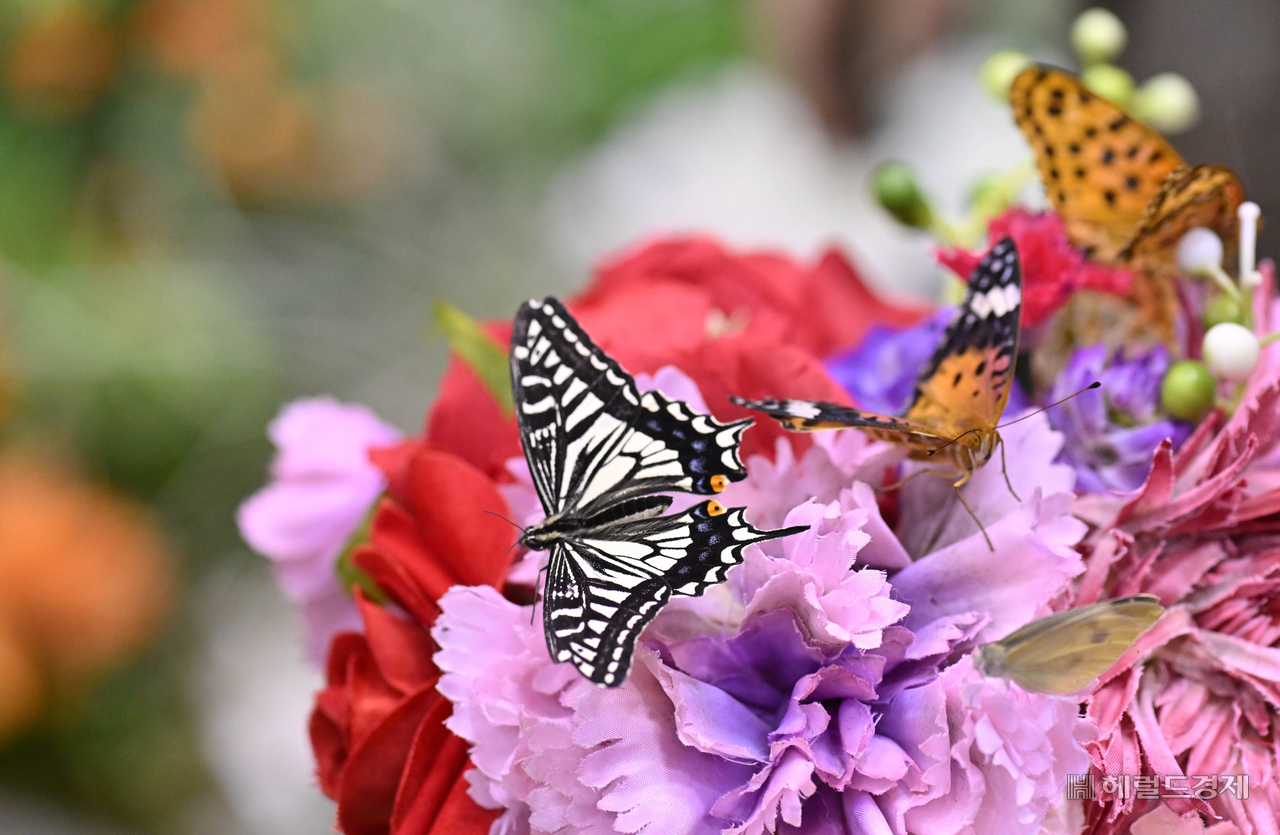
[[1125, 195], [962, 390]]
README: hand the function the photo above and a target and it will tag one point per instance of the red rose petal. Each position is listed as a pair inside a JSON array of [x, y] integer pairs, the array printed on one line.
[[443, 526], [459, 512], [401, 647], [839, 308], [397, 582], [433, 794], [466, 421], [742, 366], [372, 777]]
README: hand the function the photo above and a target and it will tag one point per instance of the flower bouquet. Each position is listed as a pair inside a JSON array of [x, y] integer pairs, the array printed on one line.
[[533, 619]]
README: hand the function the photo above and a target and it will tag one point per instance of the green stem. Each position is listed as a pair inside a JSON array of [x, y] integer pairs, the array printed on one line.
[[1223, 281]]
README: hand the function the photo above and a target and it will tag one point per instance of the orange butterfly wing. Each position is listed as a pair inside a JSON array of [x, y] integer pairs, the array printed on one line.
[[964, 386], [1100, 167], [1206, 195]]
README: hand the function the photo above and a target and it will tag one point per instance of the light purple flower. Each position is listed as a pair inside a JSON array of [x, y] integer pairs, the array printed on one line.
[[1111, 432], [322, 487], [816, 691], [992, 742]]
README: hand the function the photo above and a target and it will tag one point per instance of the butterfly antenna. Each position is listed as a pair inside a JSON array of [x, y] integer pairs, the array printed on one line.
[[508, 521], [1092, 385]]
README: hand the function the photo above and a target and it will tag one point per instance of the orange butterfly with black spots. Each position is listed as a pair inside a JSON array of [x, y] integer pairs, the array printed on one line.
[[1124, 193], [961, 392], [1126, 197]]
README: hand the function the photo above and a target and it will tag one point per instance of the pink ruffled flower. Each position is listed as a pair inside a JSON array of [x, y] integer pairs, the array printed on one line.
[[998, 757], [1202, 533], [815, 691], [322, 487]]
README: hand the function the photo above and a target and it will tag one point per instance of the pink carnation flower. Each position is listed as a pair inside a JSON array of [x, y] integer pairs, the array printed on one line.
[[815, 691], [1202, 533], [322, 487]]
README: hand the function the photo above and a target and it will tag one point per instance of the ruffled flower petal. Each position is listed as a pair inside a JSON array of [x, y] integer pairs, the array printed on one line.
[[323, 486]]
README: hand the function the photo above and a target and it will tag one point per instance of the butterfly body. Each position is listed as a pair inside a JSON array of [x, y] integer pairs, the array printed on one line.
[[601, 453], [960, 393]]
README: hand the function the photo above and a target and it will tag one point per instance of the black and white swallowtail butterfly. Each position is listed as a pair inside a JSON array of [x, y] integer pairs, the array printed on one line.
[[600, 452]]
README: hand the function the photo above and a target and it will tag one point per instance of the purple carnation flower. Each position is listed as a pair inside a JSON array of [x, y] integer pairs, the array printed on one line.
[[816, 691], [322, 487], [1112, 431]]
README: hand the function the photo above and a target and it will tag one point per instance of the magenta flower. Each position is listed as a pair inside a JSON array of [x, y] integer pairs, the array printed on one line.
[[322, 487], [815, 691]]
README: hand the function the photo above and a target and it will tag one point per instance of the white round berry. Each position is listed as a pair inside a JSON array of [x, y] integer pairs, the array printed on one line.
[[1230, 351], [1199, 251]]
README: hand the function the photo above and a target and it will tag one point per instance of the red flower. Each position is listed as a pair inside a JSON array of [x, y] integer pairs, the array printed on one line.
[[382, 750], [754, 325], [1052, 268], [823, 308]]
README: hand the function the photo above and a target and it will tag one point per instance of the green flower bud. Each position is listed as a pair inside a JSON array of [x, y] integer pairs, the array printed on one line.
[[998, 71], [1098, 35], [1110, 82], [1188, 390], [1167, 102], [895, 188], [1222, 308]]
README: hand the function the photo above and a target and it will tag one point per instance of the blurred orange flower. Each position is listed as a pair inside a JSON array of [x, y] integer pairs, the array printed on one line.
[[62, 62], [84, 580], [191, 36]]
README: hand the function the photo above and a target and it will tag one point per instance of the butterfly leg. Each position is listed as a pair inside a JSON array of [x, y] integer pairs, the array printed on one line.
[[889, 487], [1005, 471], [537, 585], [976, 520]]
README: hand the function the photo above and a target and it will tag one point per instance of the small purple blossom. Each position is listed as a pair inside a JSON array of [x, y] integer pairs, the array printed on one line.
[[881, 372], [322, 487], [1111, 432]]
